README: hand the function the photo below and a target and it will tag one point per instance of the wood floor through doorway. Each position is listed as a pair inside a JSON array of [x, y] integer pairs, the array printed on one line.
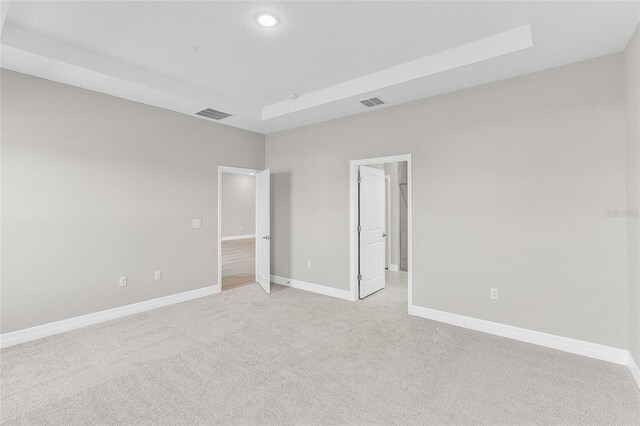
[[238, 263]]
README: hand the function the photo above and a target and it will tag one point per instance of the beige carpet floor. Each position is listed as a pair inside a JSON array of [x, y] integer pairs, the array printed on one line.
[[293, 357]]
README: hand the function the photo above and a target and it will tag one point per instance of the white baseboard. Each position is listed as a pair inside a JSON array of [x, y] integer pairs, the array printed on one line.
[[635, 371], [393, 268], [592, 350], [44, 330], [238, 237], [315, 288]]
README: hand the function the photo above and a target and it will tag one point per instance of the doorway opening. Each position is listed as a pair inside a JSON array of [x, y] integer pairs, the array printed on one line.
[[243, 228], [381, 226], [237, 223]]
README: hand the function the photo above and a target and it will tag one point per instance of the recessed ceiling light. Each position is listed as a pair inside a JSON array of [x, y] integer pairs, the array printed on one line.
[[267, 20]]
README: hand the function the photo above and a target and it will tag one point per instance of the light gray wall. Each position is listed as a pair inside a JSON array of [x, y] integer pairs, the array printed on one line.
[[633, 188], [511, 182], [238, 204], [94, 187]]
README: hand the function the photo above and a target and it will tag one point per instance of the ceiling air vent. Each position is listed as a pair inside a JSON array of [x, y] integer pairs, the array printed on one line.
[[372, 102], [212, 113]]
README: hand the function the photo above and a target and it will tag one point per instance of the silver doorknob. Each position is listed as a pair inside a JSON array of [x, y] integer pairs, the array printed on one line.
[[267, 237], [384, 235]]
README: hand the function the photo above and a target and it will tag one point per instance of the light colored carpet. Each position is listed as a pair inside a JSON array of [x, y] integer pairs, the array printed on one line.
[[293, 357]]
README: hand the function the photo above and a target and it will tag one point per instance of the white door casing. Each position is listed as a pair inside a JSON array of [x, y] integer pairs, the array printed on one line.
[[371, 235], [263, 230]]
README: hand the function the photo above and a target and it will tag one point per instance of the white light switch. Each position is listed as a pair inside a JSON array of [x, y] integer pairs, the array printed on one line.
[[197, 223], [158, 275], [122, 281]]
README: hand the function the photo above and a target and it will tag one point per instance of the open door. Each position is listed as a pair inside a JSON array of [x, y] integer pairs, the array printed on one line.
[[371, 227], [263, 230]]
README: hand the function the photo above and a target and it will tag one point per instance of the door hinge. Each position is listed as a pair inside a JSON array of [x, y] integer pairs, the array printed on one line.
[[359, 179], [359, 228], [359, 277]]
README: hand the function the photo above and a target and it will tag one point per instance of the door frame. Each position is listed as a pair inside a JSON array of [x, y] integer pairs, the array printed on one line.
[[353, 221], [221, 170], [387, 225]]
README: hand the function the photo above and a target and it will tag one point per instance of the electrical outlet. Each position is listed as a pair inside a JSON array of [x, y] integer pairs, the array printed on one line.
[[196, 223], [122, 281], [308, 264], [495, 294], [157, 276]]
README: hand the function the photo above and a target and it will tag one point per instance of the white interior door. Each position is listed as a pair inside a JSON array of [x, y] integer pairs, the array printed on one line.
[[372, 222], [387, 228], [263, 230]]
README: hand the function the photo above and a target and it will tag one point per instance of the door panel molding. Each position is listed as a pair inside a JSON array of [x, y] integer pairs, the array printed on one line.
[[263, 229], [372, 230]]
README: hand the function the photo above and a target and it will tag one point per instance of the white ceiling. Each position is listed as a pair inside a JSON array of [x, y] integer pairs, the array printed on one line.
[[187, 56]]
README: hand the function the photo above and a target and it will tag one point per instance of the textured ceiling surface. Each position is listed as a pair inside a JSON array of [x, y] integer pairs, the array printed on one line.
[[243, 68]]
